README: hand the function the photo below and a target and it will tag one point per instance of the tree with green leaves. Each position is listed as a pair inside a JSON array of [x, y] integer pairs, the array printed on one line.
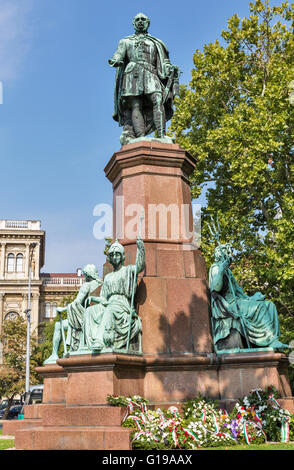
[[236, 118], [13, 338]]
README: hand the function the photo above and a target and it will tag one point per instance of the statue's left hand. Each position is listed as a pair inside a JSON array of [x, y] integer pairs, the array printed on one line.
[[168, 68]]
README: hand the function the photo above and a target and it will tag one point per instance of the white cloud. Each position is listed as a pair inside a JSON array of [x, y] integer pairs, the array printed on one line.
[[15, 36]]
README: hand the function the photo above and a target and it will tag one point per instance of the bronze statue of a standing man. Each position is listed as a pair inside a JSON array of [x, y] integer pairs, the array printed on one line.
[[146, 83]]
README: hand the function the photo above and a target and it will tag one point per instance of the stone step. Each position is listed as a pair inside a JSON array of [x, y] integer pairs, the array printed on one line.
[[73, 438], [287, 403], [11, 426], [36, 411], [83, 416]]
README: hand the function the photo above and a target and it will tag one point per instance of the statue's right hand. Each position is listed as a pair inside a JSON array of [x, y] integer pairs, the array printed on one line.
[[88, 301], [114, 63]]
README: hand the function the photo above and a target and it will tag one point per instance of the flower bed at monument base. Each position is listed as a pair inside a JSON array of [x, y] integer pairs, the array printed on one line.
[[256, 418]]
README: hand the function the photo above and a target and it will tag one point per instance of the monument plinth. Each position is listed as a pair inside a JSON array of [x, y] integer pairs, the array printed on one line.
[[172, 300], [173, 287]]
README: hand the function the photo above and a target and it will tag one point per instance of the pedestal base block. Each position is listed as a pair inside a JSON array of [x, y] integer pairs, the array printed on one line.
[[172, 300], [86, 421], [73, 438]]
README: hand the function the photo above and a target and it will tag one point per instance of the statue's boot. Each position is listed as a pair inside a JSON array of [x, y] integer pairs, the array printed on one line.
[[56, 342], [51, 359], [158, 114], [138, 118], [97, 346], [159, 121]]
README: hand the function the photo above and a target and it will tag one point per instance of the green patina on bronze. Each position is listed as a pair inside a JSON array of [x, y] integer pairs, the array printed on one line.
[[75, 316], [145, 85], [112, 325], [239, 321]]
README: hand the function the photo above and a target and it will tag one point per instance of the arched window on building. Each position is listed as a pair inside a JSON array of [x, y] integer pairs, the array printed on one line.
[[10, 263], [54, 306], [19, 263], [47, 310], [11, 316]]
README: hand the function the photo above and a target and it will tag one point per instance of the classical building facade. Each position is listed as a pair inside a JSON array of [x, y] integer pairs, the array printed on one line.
[[22, 244]]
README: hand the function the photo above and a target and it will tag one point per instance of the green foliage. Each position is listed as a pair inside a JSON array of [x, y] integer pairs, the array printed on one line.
[[108, 243], [13, 368], [235, 117], [187, 407], [119, 400]]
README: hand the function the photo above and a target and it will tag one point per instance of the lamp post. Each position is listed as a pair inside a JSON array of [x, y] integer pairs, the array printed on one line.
[[28, 314]]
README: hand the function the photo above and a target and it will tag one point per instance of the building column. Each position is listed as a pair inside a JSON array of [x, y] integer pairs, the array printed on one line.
[[27, 260], [2, 260], [2, 295], [37, 261]]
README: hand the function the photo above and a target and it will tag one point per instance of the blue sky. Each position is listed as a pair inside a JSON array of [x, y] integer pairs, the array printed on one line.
[[56, 127]]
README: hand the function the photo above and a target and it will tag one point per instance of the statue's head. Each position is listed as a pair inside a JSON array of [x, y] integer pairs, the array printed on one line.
[[90, 272], [116, 254], [141, 23], [223, 251]]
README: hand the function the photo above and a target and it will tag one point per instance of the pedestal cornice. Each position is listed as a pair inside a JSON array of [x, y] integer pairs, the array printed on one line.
[[151, 155]]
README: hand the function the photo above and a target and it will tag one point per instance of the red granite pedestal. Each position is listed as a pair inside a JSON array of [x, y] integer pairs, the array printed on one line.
[[172, 300]]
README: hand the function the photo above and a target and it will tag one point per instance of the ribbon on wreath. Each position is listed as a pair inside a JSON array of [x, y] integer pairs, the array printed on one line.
[[131, 406], [174, 426], [285, 429], [245, 432], [215, 420], [272, 398], [258, 425], [285, 426], [203, 416], [174, 429], [141, 432]]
